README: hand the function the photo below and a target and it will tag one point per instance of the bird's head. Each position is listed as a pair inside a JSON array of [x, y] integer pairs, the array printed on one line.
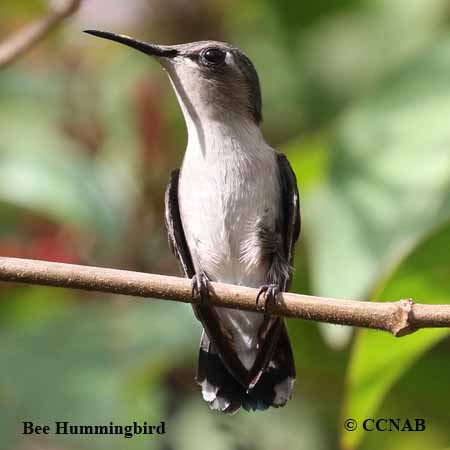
[[212, 79]]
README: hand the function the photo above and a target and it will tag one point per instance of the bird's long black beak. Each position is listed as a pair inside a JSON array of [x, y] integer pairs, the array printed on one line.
[[150, 49]]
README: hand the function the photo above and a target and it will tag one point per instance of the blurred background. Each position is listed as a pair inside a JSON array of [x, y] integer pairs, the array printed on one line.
[[356, 93]]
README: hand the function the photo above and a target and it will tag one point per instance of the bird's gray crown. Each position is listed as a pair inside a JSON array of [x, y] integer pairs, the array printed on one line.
[[213, 63]]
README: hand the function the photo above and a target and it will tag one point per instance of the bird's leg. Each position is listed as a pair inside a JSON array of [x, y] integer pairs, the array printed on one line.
[[271, 242], [200, 287], [270, 293]]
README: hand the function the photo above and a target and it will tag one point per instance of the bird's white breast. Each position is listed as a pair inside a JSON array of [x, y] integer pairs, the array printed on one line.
[[225, 192]]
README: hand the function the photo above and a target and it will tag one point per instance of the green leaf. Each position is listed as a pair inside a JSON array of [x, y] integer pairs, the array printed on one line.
[[389, 177], [378, 359]]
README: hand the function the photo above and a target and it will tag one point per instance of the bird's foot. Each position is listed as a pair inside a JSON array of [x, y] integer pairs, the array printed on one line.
[[200, 287], [270, 293]]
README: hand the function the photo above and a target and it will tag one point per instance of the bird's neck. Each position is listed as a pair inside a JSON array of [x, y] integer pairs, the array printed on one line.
[[223, 135], [215, 125]]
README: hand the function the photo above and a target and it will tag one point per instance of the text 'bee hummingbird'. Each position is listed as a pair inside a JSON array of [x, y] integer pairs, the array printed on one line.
[[232, 216]]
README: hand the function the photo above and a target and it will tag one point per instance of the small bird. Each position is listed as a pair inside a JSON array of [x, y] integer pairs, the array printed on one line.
[[232, 216]]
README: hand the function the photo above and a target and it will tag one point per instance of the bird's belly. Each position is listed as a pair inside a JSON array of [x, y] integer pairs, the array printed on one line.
[[222, 237]]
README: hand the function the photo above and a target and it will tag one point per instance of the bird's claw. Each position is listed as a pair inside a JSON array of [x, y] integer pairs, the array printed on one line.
[[200, 287], [270, 293]]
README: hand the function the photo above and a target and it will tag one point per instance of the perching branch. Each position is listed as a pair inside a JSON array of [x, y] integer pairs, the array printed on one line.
[[16, 45], [399, 318]]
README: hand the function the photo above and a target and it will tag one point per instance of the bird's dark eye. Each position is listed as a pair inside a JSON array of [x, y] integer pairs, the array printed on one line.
[[213, 56]]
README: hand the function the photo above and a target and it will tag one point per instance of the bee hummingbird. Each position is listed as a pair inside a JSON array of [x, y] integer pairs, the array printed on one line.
[[232, 216]]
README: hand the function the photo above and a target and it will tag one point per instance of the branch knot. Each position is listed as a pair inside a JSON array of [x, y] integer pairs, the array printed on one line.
[[402, 319]]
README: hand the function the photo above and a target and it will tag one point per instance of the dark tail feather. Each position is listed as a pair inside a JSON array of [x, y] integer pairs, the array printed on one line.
[[223, 392]]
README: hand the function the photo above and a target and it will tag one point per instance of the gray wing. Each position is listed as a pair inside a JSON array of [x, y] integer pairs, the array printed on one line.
[[290, 212], [282, 258], [175, 232], [281, 240]]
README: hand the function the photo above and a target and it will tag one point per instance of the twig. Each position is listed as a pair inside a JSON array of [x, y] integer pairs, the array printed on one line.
[[16, 45], [399, 318]]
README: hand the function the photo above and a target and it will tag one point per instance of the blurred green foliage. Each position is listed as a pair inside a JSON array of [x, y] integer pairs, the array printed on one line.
[[357, 93]]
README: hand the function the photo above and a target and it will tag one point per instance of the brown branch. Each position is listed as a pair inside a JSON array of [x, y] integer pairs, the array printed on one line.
[[16, 45], [399, 318]]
